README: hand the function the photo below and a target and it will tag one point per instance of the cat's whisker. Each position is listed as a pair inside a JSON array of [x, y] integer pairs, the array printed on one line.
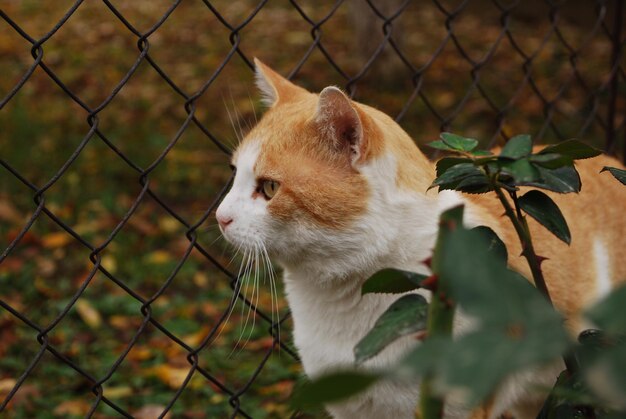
[[236, 291], [256, 121], [242, 292], [244, 304], [238, 119], [232, 124], [254, 301], [273, 292]]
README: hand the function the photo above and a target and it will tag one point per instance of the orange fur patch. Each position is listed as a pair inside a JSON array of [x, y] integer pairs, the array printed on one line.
[[316, 181]]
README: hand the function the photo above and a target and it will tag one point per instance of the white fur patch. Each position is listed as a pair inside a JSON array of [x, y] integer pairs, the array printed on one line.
[[249, 215], [268, 93], [603, 268]]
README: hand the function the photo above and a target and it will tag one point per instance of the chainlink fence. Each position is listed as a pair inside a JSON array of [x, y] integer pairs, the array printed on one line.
[[117, 119]]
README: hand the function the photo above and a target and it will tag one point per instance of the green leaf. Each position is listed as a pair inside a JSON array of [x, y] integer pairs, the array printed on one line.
[[333, 387], [609, 314], [440, 145], [495, 245], [476, 183], [521, 170], [406, 316], [457, 142], [562, 180], [456, 174], [573, 149], [392, 281], [481, 153], [551, 160], [593, 343], [518, 327], [543, 209], [566, 398], [619, 174], [447, 162], [517, 147]]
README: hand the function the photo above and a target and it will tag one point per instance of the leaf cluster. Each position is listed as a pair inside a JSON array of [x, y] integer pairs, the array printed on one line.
[[479, 171], [475, 171]]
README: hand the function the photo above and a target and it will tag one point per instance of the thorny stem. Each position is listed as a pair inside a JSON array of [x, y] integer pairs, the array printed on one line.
[[528, 251]]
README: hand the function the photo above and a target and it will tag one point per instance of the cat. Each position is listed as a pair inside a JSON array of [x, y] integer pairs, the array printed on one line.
[[335, 190]]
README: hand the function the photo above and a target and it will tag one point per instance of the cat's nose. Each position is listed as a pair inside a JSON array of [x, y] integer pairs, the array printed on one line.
[[223, 220]]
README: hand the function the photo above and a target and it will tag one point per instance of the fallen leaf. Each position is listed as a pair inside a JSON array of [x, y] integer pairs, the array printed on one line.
[[139, 353], [76, 407], [171, 376], [158, 257], [109, 263], [124, 322], [169, 224], [27, 239], [6, 385], [8, 212], [11, 265], [56, 240], [88, 313], [118, 392], [151, 411], [195, 339], [282, 388], [259, 344], [200, 279]]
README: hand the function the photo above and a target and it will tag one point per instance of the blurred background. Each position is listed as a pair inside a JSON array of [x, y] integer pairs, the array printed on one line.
[[116, 122]]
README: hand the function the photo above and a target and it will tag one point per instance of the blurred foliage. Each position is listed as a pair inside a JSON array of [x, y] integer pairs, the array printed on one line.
[[41, 126]]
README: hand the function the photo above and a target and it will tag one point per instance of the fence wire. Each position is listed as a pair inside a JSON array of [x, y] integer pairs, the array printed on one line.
[[385, 55]]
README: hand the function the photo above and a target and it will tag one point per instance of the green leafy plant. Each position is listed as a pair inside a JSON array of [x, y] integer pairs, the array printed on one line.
[[516, 325]]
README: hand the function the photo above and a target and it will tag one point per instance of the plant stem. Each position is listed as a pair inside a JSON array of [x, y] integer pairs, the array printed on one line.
[[534, 262], [440, 313], [521, 228]]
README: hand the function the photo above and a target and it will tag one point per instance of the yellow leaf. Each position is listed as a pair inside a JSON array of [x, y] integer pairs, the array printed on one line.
[[195, 339], [169, 224], [77, 407], [172, 376], [159, 256], [118, 392], [6, 385], [200, 279], [140, 353], [88, 313], [216, 398], [123, 322], [56, 240], [109, 263]]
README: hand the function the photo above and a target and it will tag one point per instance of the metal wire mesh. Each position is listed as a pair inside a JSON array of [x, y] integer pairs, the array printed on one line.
[[489, 68]]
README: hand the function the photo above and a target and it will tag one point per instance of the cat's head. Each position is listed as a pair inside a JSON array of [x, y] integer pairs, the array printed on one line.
[[310, 173]]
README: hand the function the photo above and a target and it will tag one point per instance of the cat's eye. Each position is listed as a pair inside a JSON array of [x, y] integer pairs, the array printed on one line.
[[269, 188]]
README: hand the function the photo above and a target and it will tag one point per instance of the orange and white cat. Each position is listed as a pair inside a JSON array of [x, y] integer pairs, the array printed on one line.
[[335, 190]]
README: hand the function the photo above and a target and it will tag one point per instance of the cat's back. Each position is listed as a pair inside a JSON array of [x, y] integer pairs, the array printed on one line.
[[593, 263]]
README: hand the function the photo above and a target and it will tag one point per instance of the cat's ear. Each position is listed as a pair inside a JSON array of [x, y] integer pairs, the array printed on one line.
[[273, 86], [339, 122]]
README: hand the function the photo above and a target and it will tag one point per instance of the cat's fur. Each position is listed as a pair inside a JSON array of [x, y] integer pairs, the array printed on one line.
[[353, 199]]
